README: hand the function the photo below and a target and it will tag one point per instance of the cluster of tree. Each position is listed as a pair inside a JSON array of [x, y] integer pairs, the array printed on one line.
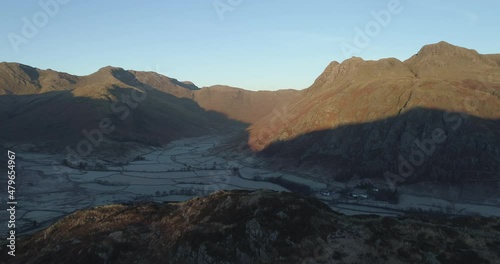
[[236, 171], [191, 191], [136, 137], [188, 167], [159, 194], [100, 167], [108, 183], [366, 184], [83, 165], [430, 211], [138, 158]]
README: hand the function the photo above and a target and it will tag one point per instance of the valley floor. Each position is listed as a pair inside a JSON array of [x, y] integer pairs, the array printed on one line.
[[187, 168]]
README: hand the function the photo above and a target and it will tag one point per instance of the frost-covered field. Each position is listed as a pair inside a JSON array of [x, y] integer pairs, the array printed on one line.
[[182, 170], [187, 168]]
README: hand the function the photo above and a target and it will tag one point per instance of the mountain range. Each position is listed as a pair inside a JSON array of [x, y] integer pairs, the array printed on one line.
[[434, 116], [146, 107]]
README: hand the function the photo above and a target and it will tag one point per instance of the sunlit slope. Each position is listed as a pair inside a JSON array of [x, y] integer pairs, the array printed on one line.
[[363, 116]]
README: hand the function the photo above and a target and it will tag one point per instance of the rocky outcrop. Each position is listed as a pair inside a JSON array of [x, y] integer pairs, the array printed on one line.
[[255, 227]]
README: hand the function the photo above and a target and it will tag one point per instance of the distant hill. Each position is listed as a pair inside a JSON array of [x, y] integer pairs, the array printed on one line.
[[21, 79], [52, 108], [243, 105], [55, 114], [365, 117]]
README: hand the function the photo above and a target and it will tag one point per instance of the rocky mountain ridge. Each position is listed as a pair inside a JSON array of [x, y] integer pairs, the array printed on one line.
[[366, 118]]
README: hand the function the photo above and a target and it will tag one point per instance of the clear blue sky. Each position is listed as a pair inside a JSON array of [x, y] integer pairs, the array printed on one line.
[[259, 44]]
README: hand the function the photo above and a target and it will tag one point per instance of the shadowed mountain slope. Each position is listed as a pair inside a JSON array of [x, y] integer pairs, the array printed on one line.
[[44, 106], [237, 104], [137, 112], [449, 147], [59, 118]]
